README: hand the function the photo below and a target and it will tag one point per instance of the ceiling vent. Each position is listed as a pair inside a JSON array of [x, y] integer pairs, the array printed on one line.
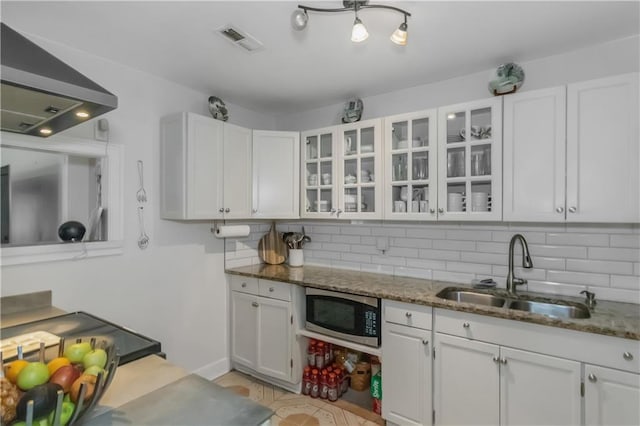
[[240, 38]]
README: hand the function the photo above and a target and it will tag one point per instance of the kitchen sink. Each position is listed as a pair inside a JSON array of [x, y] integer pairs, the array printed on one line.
[[554, 310], [465, 296], [519, 302]]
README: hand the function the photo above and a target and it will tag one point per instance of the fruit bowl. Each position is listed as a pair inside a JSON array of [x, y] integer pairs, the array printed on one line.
[[57, 385]]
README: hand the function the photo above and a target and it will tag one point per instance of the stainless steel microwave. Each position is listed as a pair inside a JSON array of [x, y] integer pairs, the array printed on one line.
[[345, 316]]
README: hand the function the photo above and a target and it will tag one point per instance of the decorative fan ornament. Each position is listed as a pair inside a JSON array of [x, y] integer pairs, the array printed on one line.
[[507, 79], [218, 109], [352, 111]]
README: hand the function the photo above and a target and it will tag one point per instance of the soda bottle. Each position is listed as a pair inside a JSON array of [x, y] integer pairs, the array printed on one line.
[[324, 384], [320, 355], [332, 393], [311, 353], [315, 384], [306, 381]]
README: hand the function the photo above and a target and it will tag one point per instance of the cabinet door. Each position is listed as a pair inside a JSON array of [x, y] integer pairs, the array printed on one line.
[[470, 161], [603, 150], [538, 389], [244, 318], [466, 382], [406, 387], [237, 172], [276, 171], [274, 338], [534, 156], [410, 154], [611, 397], [359, 170], [319, 198], [191, 161]]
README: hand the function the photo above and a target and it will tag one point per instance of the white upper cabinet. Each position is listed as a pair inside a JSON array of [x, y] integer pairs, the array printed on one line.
[[205, 168], [341, 176], [237, 172], [276, 171], [470, 161], [534, 155], [318, 176], [603, 140], [360, 170], [572, 154], [410, 166]]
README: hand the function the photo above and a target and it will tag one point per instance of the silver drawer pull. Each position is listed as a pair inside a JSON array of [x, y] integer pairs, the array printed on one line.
[[466, 325], [628, 356], [495, 359], [503, 360], [408, 314], [243, 285], [592, 378], [425, 342], [271, 289], [254, 304]]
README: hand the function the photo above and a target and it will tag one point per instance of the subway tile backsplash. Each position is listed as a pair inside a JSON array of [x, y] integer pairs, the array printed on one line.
[[567, 258]]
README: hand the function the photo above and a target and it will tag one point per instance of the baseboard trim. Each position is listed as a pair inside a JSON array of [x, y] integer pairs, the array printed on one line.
[[215, 369]]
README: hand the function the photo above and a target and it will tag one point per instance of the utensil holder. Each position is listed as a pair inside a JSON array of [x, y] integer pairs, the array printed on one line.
[[296, 257]]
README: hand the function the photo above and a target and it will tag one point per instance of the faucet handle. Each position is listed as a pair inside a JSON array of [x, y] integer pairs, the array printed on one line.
[[519, 281], [590, 298]]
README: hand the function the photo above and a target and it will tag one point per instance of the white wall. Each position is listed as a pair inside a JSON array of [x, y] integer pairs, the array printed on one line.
[[175, 290], [616, 57]]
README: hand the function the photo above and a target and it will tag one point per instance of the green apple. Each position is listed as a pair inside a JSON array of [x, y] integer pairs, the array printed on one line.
[[94, 370], [77, 351], [95, 357], [65, 415], [43, 421], [32, 375]]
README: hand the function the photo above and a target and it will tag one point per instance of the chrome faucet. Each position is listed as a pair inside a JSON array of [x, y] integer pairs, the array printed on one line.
[[512, 281]]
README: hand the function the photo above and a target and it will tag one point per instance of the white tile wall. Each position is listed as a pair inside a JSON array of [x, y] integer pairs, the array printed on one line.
[[567, 259]]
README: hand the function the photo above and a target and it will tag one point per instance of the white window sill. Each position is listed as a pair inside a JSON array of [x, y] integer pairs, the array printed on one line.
[[56, 252]]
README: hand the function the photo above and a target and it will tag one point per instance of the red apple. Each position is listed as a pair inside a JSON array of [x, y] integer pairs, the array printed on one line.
[[65, 376]]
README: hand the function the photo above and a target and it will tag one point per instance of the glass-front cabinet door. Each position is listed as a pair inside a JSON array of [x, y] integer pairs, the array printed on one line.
[[470, 161], [359, 171], [410, 149], [319, 171]]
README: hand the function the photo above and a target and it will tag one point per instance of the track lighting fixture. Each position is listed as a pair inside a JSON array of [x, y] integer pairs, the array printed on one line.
[[300, 18]]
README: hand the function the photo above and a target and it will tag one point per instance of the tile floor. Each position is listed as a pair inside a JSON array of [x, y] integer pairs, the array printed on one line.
[[298, 410]]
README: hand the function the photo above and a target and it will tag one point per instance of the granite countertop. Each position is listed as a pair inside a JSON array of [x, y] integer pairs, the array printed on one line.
[[607, 318]]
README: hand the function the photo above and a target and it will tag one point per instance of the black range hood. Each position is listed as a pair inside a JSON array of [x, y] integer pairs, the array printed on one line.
[[40, 94]]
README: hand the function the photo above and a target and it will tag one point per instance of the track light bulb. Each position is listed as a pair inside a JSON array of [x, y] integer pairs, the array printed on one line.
[[359, 32], [399, 36], [299, 19]]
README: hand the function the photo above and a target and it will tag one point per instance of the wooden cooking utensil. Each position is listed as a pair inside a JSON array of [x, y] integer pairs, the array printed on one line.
[[271, 247]]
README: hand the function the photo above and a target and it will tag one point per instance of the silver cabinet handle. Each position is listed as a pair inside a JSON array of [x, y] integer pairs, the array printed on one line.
[[338, 212], [628, 356], [560, 210], [503, 361], [271, 289], [432, 211], [254, 304], [227, 210], [440, 210], [243, 285], [425, 342], [408, 314], [572, 209], [495, 359], [255, 210], [592, 378], [333, 211], [221, 210], [466, 325]]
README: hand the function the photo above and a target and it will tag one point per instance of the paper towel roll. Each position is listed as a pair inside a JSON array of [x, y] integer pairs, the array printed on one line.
[[236, 231]]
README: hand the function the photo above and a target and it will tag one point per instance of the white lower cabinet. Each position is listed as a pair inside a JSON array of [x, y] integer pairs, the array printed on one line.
[[467, 387], [407, 368], [262, 328], [611, 396]]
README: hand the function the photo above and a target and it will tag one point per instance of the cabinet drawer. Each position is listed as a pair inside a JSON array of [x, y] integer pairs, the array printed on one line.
[[408, 314], [275, 290], [244, 284]]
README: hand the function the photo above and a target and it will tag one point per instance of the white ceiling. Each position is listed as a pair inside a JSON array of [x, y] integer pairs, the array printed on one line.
[[319, 66]]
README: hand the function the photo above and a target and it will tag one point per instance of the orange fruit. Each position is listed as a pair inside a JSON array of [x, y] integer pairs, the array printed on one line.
[[56, 363], [12, 370]]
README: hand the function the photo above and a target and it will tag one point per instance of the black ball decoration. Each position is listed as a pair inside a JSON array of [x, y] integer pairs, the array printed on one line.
[[71, 231]]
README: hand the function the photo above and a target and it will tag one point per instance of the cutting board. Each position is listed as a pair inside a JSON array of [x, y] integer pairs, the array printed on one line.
[[271, 248]]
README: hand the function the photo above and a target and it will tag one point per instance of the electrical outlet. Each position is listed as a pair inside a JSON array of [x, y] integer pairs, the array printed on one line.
[[101, 130]]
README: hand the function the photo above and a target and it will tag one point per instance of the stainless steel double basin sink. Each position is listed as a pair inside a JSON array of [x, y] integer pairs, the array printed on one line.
[[535, 305]]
